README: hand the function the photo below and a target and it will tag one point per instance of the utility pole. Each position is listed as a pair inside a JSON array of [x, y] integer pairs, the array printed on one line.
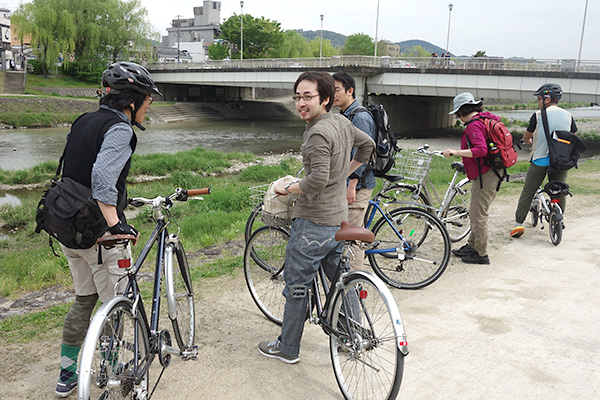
[[242, 34], [376, 27], [178, 36]]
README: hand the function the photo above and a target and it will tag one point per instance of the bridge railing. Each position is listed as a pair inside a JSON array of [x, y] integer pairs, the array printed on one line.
[[393, 63]]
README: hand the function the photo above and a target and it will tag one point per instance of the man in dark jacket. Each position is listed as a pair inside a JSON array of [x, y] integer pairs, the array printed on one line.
[[98, 155]]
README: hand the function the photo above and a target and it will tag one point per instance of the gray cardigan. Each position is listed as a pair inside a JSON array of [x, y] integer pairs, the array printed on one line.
[[325, 150]]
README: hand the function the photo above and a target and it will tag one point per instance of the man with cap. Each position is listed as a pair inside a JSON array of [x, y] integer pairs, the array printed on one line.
[[473, 150], [98, 155], [548, 96]]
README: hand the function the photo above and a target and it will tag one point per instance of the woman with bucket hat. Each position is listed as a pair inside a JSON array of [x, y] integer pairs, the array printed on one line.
[[473, 150]]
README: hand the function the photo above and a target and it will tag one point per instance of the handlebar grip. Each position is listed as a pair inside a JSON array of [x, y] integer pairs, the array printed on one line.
[[196, 192]]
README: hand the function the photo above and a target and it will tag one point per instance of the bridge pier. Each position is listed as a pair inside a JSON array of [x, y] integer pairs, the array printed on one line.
[[410, 114]]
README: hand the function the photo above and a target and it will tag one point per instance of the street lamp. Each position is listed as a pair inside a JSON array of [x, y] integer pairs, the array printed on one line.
[[242, 35], [376, 27], [321, 46], [582, 30], [178, 36], [449, 18]]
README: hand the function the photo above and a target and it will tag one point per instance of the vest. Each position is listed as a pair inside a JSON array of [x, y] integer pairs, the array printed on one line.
[[84, 144]]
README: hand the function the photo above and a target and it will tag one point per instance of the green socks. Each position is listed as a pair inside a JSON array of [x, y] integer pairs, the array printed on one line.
[[68, 363]]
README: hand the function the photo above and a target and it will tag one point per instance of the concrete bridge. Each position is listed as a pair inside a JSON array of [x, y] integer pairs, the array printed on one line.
[[416, 92]]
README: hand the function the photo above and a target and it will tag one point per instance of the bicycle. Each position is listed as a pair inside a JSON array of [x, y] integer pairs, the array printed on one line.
[[121, 342], [452, 209], [549, 209], [367, 340], [412, 249]]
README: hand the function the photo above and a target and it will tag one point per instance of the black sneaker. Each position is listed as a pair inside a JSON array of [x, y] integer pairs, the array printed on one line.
[[466, 250], [271, 349], [64, 389], [476, 259]]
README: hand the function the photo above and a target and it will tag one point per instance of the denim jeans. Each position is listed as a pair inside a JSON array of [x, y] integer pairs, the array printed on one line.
[[309, 247]]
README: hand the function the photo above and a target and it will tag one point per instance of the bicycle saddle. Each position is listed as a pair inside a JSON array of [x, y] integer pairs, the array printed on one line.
[[109, 241], [393, 178], [557, 188], [460, 167], [349, 232]]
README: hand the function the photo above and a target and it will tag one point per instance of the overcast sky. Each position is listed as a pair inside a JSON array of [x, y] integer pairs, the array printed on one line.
[[548, 29]]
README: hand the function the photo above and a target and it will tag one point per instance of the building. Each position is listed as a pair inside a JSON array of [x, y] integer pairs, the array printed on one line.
[[393, 48], [204, 26]]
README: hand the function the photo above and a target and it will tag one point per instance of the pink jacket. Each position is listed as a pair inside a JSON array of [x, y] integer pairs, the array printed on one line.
[[475, 131]]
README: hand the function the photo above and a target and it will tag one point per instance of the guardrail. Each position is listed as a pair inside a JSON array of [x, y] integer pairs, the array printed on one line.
[[424, 63]]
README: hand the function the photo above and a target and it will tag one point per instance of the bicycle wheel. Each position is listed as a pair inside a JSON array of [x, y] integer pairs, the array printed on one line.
[[112, 358], [400, 195], [455, 214], [263, 268], [367, 361], [555, 225], [253, 222], [180, 295], [535, 206], [416, 257]]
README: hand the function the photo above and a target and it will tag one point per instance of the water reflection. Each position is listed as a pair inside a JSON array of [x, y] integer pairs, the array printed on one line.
[[25, 148], [9, 199]]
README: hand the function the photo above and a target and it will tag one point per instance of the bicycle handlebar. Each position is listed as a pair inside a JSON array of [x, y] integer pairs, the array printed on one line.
[[425, 150], [179, 195]]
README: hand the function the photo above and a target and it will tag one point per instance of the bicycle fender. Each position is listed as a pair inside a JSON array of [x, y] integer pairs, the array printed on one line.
[[399, 331]]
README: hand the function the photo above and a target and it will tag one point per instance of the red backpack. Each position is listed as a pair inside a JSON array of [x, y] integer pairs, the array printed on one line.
[[501, 152]]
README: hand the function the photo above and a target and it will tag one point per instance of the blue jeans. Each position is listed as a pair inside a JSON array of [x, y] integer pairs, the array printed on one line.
[[309, 247]]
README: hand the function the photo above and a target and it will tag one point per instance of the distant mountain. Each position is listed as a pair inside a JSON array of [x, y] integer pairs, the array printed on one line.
[[431, 48], [337, 39]]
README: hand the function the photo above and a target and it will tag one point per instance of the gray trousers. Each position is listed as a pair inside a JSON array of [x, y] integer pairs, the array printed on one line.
[[533, 179], [481, 199]]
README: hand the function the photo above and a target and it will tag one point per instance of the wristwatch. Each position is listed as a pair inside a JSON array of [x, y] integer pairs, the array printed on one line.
[[287, 187]]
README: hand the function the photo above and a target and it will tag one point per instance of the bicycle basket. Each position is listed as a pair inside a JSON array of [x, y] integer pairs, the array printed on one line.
[[276, 210], [412, 165]]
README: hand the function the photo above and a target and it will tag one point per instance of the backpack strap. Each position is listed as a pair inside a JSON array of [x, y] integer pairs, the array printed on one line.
[[357, 110]]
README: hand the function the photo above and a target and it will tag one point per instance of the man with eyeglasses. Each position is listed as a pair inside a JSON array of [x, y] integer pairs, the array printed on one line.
[[321, 206], [98, 155]]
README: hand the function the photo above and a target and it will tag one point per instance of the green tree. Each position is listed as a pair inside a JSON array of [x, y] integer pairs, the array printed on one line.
[[85, 32], [315, 48], [480, 53], [417, 51], [219, 51], [261, 36], [293, 45], [51, 26], [359, 44]]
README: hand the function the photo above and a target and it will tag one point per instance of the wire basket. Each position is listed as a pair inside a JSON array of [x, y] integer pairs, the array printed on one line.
[[412, 165], [282, 205]]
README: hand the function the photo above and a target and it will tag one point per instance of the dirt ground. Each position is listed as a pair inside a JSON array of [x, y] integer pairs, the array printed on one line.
[[525, 326]]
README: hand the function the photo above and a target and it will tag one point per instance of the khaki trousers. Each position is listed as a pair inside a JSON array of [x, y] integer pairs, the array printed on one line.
[[481, 199], [356, 217]]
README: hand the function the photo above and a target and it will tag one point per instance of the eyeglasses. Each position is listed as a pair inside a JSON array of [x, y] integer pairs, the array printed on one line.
[[305, 97], [150, 100]]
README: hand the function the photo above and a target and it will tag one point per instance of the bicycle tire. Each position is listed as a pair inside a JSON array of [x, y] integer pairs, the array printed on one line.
[[534, 210], [366, 358], [253, 222], [113, 331], [555, 225], [425, 249], [180, 295], [400, 195], [264, 258], [455, 214]]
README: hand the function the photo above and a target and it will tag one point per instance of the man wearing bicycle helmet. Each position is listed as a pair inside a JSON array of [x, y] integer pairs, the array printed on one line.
[[98, 155], [548, 96]]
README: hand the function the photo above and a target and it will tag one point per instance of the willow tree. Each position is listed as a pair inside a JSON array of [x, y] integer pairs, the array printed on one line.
[[51, 26], [88, 33]]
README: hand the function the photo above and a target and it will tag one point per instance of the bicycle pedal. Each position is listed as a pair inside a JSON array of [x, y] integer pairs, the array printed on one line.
[[190, 353]]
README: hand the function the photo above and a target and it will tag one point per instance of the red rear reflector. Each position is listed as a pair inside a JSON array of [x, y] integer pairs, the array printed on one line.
[[403, 343], [555, 201], [363, 294], [126, 263]]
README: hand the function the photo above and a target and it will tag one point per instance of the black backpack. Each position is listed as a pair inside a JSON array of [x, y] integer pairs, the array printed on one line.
[[385, 140], [68, 213]]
